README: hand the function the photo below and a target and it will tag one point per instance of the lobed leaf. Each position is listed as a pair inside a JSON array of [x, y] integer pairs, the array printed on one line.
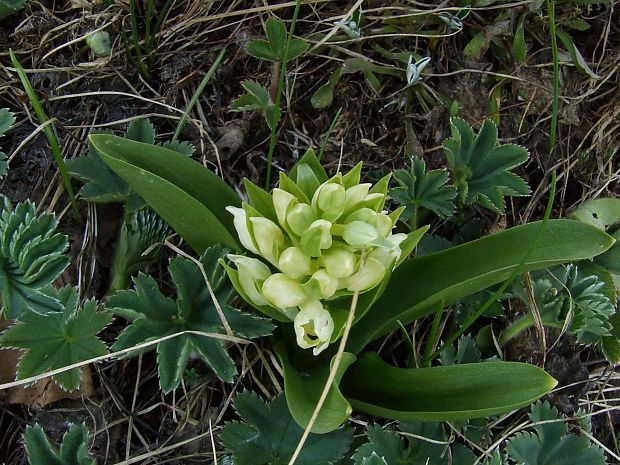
[[269, 435], [156, 316]]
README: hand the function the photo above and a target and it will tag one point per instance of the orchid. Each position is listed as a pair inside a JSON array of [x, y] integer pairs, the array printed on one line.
[[326, 241]]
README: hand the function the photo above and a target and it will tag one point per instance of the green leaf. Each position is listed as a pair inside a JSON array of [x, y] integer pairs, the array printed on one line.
[[442, 393], [141, 130], [568, 293], [481, 167], [477, 46], [73, 450], [412, 450], [304, 380], [578, 60], [7, 119], [276, 35], [310, 161], [324, 96], [268, 435], [418, 286], [194, 310], [296, 48], [4, 166], [31, 258], [600, 213], [101, 184], [550, 443], [58, 339], [262, 50], [143, 232], [519, 46], [188, 196], [8, 7], [421, 189]]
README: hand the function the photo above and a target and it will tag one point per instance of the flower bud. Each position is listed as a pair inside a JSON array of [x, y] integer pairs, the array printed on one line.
[[251, 273], [383, 224], [339, 263], [241, 225], [300, 218], [282, 200], [359, 234], [316, 238], [313, 327], [321, 285], [365, 215], [283, 292], [329, 199], [355, 195], [268, 237], [295, 263], [371, 274]]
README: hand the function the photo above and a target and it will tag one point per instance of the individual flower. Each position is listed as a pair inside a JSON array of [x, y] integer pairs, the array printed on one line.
[[313, 327]]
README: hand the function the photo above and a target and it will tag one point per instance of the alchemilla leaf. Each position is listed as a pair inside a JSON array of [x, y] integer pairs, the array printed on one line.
[[393, 448], [421, 189], [481, 167], [58, 339], [269, 435], [73, 450], [31, 258], [158, 316], [551, 443]]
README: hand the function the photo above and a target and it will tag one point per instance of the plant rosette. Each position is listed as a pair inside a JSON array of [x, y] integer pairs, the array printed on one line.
[[318, 243]]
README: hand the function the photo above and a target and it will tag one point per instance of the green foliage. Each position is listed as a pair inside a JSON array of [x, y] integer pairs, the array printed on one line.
[[58, 339], [8, 7], [466, 351], [420, 190], [155, 316], [603, 214], [6, 121], [568, 293], [269, 435], [274, 48], [551, 443], [31, 258], [101, 184], [136, 247], [188, 196], [73, 450], [388, 446], [257, 98], [481, 167]]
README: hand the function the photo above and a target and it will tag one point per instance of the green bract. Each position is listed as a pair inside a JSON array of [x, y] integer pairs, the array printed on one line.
[[327, 241]]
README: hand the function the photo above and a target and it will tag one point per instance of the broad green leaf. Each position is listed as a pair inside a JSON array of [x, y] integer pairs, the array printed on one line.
[[578, 60], [304, 380], [481, 167], [31, 258], [418, 286], [188, 196], [261, 200], [194, 310], [442, 393], [73, 449], [600, 213], [421, 189], [58, 339], [269, 435], [353, 65], [551, 442]]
